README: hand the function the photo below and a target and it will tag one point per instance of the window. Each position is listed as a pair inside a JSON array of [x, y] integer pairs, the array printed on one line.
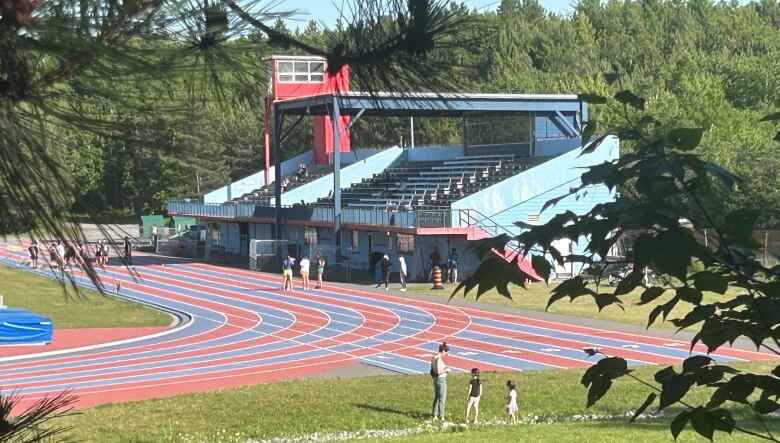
[[405, 244], [300, 71], [309, 235], [355, 243]]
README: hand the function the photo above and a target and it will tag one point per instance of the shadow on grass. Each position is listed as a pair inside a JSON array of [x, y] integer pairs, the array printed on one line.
[[411, 414]]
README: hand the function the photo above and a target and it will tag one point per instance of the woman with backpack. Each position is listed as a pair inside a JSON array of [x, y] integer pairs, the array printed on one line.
[[439, 371]]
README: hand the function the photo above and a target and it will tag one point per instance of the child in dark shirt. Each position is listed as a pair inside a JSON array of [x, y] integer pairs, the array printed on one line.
[[475, 392]]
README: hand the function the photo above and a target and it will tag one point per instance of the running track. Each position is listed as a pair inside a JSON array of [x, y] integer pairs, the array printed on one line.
[[239, 328]]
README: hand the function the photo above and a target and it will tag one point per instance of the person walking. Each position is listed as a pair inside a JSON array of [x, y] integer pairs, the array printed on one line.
[[384, 265], [128, 251], [305, 264], [472, 398], [320, 269], [439, 371], [34, 251], [402, 273]]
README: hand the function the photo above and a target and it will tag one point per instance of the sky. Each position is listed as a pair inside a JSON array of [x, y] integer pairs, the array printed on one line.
[[326, 11]]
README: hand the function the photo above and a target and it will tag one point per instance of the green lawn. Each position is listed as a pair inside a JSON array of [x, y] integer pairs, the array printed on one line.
[[45, 296], [536, 296], [303, 407]]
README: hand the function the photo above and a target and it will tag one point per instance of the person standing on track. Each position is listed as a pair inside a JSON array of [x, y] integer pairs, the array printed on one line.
[[452, 266], [128, 251], [287, 273], [384, 265], [439, 371], [320, 269], [34, 251], [305, 264]]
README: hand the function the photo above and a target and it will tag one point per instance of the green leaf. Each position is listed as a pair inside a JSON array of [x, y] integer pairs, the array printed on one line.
[[590, 147], [777, 137], [722, 420], [685, 139], [593, 99], [728, 178], [738, 225], [702, 423], [650, 294], [674, 389], [709, 281], [589, 130], [691, 295], [629, 98], [771, 117], [598, 378], [693, 364], [541, 266], [648, 401], [765, 406], [679, 422]]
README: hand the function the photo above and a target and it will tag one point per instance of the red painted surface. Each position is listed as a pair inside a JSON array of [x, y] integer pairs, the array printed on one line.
[[323, 128], [525, 265], [75, 338], [471, 232]]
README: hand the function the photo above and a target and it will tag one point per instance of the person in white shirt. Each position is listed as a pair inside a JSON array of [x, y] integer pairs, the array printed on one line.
[[305, 264], [402, 273]]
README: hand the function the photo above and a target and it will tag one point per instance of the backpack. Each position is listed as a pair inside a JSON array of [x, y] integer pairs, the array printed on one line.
[[433, 373]]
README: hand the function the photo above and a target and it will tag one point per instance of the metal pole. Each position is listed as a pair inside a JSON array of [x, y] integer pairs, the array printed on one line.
[[464, 134], [267, 139], [335, 118], [766, 248], [411, 138], [278, 115]]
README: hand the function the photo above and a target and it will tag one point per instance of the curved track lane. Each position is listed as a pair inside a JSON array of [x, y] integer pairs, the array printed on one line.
[[238, 327]]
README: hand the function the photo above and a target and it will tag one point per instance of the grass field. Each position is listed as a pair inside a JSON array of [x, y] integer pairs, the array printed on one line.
[[22, 289], [536, 296], [350, 406]]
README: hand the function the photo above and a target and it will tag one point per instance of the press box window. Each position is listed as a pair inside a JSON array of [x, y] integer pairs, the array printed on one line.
[[405, 244], [300, 71], [309, 235]]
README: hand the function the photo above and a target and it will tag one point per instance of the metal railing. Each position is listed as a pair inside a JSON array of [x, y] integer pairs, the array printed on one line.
[[439, 218]]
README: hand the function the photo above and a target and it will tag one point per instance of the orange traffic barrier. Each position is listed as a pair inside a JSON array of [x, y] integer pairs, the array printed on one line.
[[437, 278]]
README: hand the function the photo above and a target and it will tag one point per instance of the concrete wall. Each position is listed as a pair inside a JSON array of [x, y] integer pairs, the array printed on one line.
[[351, 174], [511, 192], [255, 181], [546, 148], [433, 153]]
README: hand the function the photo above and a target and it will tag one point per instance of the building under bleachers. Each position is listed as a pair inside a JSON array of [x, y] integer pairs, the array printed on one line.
[[353, 205]]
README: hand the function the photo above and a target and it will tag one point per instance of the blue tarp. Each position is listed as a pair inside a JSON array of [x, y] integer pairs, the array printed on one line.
[[18, 326]]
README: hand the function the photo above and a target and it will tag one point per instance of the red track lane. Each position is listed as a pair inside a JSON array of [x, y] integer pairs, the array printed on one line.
[[233, 324], [515, 319], [76, 337], [735, 353], [630, 354], [432, 323], [203, 382], [359, 333]]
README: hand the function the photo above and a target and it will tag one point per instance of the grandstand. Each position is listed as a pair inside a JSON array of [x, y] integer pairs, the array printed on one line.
[[517, 152]]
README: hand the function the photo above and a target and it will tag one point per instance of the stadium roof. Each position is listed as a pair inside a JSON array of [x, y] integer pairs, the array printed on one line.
[[429, 104]]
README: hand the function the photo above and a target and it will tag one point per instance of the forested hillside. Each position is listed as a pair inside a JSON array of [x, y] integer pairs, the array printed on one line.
[[699, 64]]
